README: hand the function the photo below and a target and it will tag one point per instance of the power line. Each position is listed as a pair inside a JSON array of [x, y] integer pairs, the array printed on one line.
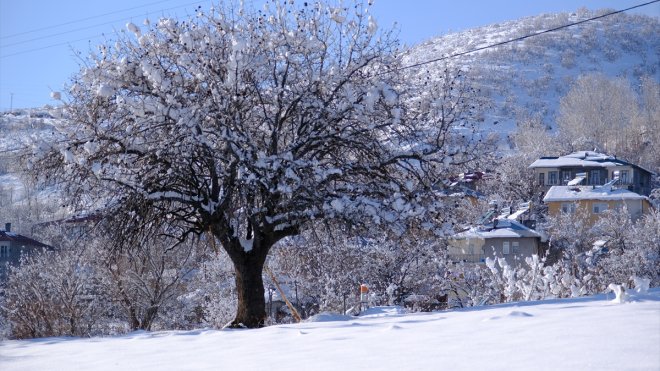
[[49, 46], [80, 29], [448, 56], [62, 33], [80, 20], [517, 38]]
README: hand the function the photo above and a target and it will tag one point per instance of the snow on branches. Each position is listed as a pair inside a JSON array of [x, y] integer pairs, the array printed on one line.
[[251, 124]]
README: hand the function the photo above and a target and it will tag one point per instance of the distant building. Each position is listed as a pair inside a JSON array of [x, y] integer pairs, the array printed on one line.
[[595, 200], [501, 238], [462, 186], [598, 169], [13, 246]]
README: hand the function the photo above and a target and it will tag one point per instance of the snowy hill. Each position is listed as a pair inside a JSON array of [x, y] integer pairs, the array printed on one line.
[[20, 129], [526, 79], [590, 333]]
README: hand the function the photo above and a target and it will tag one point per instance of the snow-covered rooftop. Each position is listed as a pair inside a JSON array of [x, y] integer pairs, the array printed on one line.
[[580, 159], [570, 193], [504, 228]]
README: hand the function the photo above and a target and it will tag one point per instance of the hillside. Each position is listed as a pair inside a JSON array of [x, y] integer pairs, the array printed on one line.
[[526, 79], [589, 333], [19, 130]]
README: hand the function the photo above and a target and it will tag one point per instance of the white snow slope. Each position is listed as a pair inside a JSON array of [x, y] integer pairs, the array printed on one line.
[[527, 79], [591, 333]]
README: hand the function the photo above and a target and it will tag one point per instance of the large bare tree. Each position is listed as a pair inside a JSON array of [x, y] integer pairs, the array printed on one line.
[[609, 115], [246, 125]]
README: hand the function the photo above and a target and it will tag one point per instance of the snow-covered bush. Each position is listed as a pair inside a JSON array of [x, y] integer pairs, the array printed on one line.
[[94, 285], [499, 282], [210, 298], [328, 268], [53, 294]]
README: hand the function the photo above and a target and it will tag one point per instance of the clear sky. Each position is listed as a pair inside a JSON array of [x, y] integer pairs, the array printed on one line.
[[39, 38]]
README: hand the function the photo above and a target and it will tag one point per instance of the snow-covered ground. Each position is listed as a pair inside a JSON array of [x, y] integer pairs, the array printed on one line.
[[591, 333]]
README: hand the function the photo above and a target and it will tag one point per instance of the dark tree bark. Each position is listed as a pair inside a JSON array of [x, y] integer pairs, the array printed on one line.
[[249, 259], [251, 310]]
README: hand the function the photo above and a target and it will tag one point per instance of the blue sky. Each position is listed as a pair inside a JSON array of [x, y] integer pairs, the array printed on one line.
[[39, 38]]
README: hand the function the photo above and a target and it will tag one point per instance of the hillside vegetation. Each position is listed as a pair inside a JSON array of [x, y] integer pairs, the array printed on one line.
[[527, 79]]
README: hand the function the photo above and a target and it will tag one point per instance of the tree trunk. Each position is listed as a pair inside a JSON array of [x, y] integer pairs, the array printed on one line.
[[248, 267], [148, 318]]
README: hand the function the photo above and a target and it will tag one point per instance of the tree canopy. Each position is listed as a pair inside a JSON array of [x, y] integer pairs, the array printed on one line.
[[248, 125]]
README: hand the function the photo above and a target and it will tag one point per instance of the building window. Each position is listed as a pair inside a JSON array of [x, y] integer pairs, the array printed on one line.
[[566, 176], [515, 247], [567, 207], [594, 177], [552, 177], [541, 178], [505, 248], [623, 177], [4, 251], [599, 208]]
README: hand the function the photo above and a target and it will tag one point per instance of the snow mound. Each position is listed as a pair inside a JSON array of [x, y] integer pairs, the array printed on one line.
[[620, 292], [512, 314], [383, 311], [329, 317], [516, 313]]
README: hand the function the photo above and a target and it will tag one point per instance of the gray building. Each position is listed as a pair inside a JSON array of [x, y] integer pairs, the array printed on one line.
[[13, 246], [501, 238]]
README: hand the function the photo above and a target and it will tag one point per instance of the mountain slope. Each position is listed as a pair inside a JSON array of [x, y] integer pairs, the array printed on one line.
[[526, 79]]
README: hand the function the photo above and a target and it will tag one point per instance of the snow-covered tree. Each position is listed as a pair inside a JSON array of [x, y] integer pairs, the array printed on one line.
[[247, 125], [609, 115], [633, 250], [513, 179]]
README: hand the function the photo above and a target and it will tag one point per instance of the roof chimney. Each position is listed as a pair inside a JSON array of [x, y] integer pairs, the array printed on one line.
[[7, 227]]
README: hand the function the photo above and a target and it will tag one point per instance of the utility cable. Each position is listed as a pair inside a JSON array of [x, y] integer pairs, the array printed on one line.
[[76, 30], [80, 20], [517, 38], [480, 48]]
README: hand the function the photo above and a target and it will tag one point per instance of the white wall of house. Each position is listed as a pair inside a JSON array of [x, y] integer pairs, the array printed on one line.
[[635, 208]]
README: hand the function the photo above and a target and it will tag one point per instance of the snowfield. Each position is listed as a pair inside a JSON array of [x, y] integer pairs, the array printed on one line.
[[590, 333]]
